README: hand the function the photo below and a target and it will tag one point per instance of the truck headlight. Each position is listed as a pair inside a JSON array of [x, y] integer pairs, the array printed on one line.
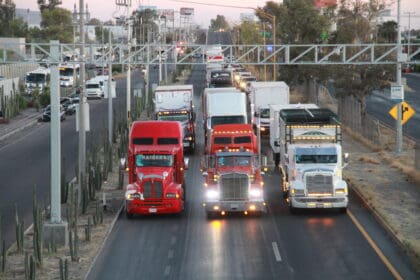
[[341, 191], [212, 194], [172, 195], [297, 192], [131, 195], [255, 193]]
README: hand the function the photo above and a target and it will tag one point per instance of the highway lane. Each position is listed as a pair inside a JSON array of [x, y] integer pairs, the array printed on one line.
[[313, 245], [25, 161], [379, 103]]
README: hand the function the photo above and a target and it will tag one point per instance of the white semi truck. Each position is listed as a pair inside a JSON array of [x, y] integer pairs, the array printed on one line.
[[311, 159], [175, 103], [261, 96]]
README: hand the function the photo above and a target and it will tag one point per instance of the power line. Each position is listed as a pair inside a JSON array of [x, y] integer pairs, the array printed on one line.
[[213, 5]]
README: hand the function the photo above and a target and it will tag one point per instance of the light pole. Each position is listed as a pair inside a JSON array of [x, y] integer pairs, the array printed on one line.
[[409, 30], [273, 22]]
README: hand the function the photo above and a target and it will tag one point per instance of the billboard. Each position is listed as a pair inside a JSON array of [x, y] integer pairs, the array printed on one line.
[[167, 13], [325, 3], [186, 11]]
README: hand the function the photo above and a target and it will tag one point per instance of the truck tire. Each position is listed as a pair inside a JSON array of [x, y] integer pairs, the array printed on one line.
[[342, 210], [128, 215], [293, 210], [184, 191], [276, 157], [210, 215]]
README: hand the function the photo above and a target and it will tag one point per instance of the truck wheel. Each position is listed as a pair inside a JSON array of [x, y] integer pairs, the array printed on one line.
[[128, 215], [184, 191], [343, 210], [210, 215], [276, 157], [293, 210]]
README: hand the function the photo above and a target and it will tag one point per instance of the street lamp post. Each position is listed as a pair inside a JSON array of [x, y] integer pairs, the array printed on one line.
[[399, 110], [273, 20]]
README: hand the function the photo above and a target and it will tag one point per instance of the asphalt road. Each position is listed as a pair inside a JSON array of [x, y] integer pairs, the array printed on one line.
[[25, 159], [379, 103], [278, 245]]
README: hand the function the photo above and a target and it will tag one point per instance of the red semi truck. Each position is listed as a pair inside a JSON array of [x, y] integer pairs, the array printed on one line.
[[232, 170], [156, 167]]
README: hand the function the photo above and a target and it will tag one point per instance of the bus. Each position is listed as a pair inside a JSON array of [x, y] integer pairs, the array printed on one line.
[[37, 80], [69, 74]]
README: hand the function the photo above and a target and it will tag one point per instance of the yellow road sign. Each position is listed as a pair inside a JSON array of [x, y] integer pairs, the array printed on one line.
[[406, 110]]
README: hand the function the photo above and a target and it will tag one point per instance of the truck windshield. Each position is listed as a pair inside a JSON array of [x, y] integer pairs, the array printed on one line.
[[173, 117], [143, 160], [316, 155], [233, 160], [35, 78], [265, 113], [227, 120]]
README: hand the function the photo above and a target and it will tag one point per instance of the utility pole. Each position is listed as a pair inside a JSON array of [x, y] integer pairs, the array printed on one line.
[[399, 146], [110, 90], [127, 5], [55, 228], [82, 97], [409, 31]]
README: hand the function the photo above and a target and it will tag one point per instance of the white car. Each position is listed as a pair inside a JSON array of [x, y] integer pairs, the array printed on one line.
[[94, 89]]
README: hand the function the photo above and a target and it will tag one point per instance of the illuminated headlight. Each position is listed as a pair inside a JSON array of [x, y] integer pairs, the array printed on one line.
[[242, 85], [188, 138], [255, 193], [341, 191], [172, 195], [212, 194], [297, 192], [262, 128], [130, 195]]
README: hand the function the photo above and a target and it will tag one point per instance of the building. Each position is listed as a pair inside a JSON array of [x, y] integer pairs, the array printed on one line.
[[32, 18]]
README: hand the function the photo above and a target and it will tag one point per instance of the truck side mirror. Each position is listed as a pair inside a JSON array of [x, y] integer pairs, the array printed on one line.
[[276, 143], [205, 174], [123, 164], [193, 116], [346, 159], [186, 163], [264, 165]]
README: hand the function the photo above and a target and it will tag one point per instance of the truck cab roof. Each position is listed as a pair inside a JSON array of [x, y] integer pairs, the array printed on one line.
[[309, 116]]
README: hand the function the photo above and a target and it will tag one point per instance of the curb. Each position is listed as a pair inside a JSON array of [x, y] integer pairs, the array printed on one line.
[[26, 125], [380, 219], [104, 241]]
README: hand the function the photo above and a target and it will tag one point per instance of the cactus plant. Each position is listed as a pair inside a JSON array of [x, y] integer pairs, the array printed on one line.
[[3, 256], [88, 229], [64, 269], [38, 224], [19, 231], [30, 267]]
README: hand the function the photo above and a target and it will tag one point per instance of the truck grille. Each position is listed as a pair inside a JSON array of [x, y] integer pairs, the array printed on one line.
[[319, 183], [234, 186], [153, 189]]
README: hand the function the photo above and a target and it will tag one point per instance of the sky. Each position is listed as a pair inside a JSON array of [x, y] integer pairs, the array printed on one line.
[[106, 9]]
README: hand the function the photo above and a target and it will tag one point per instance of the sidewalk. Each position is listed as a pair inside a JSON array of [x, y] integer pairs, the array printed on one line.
[[26, 119]]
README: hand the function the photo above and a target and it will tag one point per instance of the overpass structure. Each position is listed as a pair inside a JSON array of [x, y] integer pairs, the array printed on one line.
[[322, 54]]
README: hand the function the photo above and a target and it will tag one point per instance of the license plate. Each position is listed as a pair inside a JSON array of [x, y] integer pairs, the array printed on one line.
[[152, 210], [234, 206]]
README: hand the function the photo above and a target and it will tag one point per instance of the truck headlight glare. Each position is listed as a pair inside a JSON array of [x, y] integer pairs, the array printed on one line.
[[255, 193], [171, 195], [212, 194], [341, 191], [132, 195]]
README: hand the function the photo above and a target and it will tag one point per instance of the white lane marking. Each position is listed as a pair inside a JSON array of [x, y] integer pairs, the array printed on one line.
[[170, 254], [173, 240], [167, 270], [276, 251]]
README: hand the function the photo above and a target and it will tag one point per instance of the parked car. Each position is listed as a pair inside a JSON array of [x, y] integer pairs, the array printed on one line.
[[46, 115], [69, 105]]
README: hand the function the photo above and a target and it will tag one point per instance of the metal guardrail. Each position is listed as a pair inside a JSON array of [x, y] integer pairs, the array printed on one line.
[[323, 54]]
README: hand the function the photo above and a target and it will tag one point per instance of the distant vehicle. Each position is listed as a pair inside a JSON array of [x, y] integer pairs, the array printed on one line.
[[94, 88], [37, 80], [68, 105], [68, 74], [75, 97], [46, 115], [2, 78]]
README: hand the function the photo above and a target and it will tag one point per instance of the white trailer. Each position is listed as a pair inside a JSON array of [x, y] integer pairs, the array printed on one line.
[[175, 103], [261, 96], [275, 135], [224, 106]]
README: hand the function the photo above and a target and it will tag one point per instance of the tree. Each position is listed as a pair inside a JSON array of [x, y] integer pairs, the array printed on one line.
[[354, 25], [48, 4], [387, 32], [7, 12], [57, 25], [144, 26], [219, 23]]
